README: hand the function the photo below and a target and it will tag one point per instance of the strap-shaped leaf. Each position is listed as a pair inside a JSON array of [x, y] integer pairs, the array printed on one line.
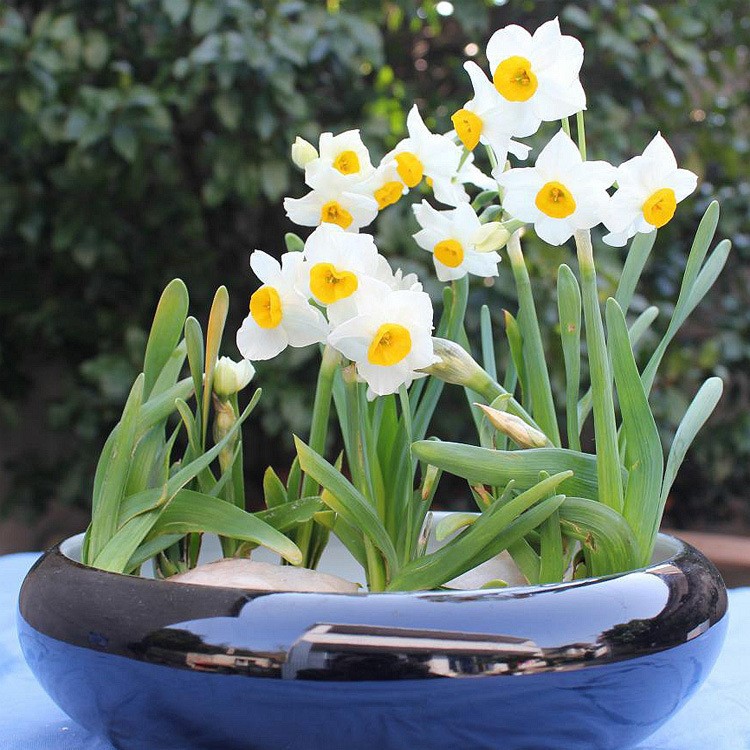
[[491, 533], [644, 459], [604, 533], [193, 512], [160, 406], [638, 252], [274, 491], [535, 362], [687, 302], [108, 495], [569, 311], [695, 417], [497, 468], [166, 332], [344, 498]]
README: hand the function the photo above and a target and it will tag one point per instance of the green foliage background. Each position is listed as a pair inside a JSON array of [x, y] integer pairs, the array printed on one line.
[[149, 139]]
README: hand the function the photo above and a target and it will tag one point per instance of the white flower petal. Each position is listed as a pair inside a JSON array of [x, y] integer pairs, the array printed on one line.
[[256, 343], [265, 267]]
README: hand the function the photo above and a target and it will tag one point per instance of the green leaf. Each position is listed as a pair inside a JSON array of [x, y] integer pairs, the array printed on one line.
[[160, 406], [106, 503], [146, 453], [644, 459], [569, 310], [196, 358], [125, 142], [489, 363], [694, 288], [606, 536], [515, 343], [452, 523], [497, 468], [635, 261], [274, 491], [166, 331], [344, 498], [551, 559], [285, 517], [177, 10], [206, 17], [605, 428], [171, 371], [535, 362], [695, 417], [193, 512], [121, 547], [491, 533]]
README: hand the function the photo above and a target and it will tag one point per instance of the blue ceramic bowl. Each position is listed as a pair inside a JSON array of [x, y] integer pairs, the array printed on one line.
[[596, 664]]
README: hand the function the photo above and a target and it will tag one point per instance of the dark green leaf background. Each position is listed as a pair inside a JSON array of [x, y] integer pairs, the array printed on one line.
[[148, 139]]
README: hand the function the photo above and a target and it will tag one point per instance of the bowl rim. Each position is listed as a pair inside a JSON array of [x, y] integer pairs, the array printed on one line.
[[675, 548]]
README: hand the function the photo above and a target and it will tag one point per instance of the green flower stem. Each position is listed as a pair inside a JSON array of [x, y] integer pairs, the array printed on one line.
[[581, 127], [321, 411], [542, 405], [609, 471], [308, 534]]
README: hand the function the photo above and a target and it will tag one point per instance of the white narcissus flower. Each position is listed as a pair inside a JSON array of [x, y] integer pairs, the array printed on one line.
[[427, 155], [485, 119], [561, 193], [336, 265], [231, 377], [389, 339], [649, 187], [346, 154], [329, 202], [279, 315], [396, 280], [452, 237], [385, 185], [536, 76]]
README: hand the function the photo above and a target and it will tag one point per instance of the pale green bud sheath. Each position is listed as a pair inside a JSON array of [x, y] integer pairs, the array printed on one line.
[[491, 237], [515, 428], [224, 420], [303, 152], [458, 367]]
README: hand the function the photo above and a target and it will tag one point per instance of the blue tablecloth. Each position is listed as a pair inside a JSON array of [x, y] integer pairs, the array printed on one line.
[[716, 718]]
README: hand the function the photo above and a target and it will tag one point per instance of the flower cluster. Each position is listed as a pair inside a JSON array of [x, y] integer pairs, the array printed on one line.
[[339, 290]]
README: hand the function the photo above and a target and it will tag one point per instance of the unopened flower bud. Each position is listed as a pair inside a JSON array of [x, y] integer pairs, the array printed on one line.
[[456, 366], [491, 236], [231, 377], [515, 428], [303, 152]]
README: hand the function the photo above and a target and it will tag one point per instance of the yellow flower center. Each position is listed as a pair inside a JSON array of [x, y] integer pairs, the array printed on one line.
[[409, 168], [555, 200], [328, 284], [265, 307], [334, 213], [468, 127], [515, 80], [389, 194], [660, 207], [449, 252], [347, 162], [391, 344]]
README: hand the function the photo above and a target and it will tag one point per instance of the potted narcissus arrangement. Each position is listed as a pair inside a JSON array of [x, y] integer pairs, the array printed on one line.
[[347, 613]]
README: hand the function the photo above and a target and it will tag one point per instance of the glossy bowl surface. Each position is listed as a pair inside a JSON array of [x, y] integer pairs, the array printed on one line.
[[598, 663]]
